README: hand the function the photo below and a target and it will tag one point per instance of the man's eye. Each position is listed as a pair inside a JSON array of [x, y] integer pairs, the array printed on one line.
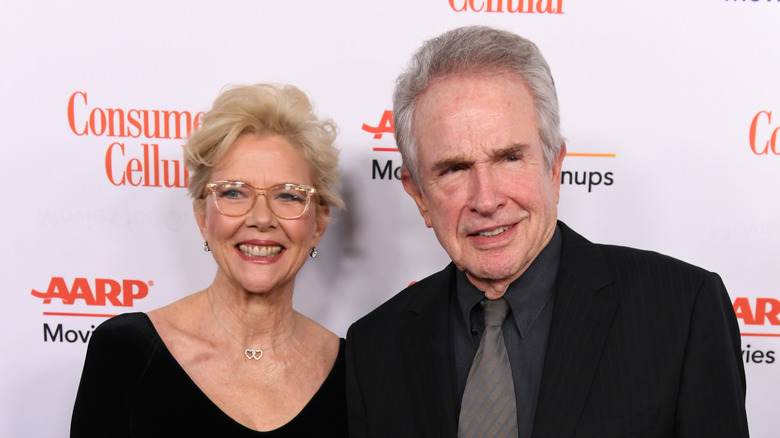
[[512, 158], [455, 168]]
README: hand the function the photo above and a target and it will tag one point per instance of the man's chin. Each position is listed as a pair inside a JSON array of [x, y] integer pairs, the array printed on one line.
[[488, 280]]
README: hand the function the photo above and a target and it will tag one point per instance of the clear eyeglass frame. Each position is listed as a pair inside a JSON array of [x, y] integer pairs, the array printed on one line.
[[218, 188]]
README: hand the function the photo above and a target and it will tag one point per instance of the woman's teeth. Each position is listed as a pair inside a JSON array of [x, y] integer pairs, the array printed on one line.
[[259, 251]]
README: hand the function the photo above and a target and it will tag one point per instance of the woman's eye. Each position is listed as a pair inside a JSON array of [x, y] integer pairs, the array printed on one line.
[[232, 194], [289, 197]]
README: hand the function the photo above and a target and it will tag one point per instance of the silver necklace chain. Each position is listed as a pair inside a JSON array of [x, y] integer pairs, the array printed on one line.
[[250, 353]]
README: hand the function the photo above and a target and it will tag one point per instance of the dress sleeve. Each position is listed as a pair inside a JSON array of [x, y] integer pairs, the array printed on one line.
[[355, 407], [117, 356], [711, 401]]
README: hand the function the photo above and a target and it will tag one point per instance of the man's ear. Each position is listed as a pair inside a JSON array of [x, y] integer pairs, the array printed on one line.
[[416, 194], [556, 171]]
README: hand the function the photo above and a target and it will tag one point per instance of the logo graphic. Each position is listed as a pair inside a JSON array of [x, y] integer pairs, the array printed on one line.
[[385, 126], [766, 311], [144, 171], [383, 132], [132, 123], [132, 165], [100, 292], [763, 134], [759, 318], [517, 6], [589, 178], [59, 334]]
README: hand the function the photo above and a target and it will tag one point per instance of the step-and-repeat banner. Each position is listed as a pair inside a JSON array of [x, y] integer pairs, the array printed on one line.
[[671, 110]]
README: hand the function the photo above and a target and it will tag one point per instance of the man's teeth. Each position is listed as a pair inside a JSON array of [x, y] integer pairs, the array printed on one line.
[[492, 233], [259, 251]]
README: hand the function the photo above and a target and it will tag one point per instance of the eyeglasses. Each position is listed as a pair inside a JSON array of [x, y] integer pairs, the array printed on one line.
[[236, 198]]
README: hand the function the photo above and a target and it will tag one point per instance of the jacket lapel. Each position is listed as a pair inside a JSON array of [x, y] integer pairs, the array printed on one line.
[[426, 341], [584, 307]]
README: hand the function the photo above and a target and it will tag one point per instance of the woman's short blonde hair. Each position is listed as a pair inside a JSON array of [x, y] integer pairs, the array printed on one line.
[[265, 109]]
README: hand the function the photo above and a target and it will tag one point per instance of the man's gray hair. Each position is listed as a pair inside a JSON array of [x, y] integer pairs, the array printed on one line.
[[475, 49]]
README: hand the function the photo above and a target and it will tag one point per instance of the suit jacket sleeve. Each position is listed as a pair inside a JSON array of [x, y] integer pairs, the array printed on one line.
[[711, 401]]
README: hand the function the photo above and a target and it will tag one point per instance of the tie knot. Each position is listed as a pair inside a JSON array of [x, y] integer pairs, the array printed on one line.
[[495, 312]]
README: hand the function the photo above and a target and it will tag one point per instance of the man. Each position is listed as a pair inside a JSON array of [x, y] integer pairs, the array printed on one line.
[[598, 341]]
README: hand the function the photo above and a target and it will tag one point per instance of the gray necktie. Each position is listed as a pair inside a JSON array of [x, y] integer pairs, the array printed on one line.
[[489, 408]]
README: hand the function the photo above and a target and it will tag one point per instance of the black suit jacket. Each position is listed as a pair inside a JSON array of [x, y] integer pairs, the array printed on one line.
[[640, 345]]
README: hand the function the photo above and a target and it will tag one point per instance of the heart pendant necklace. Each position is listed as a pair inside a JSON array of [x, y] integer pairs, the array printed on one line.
[[250, 353]]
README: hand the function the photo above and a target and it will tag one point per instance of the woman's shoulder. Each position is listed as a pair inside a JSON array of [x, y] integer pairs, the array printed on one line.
[[129, 325], [125, 335]]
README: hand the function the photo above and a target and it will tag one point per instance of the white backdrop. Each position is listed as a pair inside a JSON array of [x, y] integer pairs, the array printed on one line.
[[658, 96]]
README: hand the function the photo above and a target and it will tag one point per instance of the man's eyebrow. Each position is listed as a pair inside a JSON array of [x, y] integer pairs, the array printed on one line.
[[513, 149], [447, 163]]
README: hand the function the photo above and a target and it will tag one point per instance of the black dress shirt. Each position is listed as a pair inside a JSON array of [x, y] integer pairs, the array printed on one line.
[[531, 299]]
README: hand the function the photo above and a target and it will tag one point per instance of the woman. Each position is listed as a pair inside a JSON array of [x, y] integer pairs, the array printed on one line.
[[235, 359]]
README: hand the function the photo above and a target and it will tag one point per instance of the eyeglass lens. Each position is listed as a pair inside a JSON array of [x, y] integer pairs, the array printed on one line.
[[287, 201]]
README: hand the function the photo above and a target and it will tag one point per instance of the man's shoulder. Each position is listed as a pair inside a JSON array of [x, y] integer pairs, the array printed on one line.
[[633, 271], [622, 258], [638, 261]]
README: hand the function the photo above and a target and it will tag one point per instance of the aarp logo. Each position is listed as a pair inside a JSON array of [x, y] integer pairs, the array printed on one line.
[[758, 316], [94, 292]]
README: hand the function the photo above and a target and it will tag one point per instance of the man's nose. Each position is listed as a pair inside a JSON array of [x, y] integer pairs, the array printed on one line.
[[486, 195]]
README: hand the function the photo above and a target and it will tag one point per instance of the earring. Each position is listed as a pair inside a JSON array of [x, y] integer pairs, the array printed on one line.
[[313, 252], [206, 246]]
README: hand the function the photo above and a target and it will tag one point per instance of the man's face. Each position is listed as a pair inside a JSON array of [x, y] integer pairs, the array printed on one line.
[[486, 188]]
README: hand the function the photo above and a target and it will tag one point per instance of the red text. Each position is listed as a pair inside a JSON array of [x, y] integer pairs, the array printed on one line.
[[519, 6], [762, 144], [766, 310], [385, 125], [100, 293], [146, 170], [115, 122]]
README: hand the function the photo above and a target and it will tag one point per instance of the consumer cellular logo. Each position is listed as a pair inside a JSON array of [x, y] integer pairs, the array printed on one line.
[[508, 6], [136, 164], [763, 134]]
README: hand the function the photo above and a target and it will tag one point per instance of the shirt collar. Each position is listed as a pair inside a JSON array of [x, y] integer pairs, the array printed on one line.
[[527, 295]]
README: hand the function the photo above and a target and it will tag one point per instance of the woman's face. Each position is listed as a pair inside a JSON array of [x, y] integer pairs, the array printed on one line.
[[258, 252]]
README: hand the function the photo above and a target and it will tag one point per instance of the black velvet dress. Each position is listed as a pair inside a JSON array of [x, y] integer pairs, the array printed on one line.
[[132, 386]]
